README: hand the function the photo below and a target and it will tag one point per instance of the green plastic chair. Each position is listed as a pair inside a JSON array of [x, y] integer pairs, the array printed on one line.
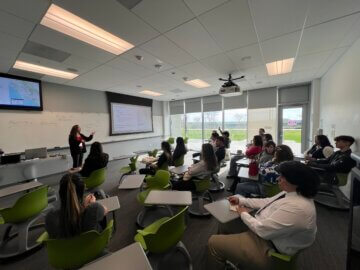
[[200, 194], [160, 181], [271, 190], [95, 179], [179, 161], [164, 234], [26, 211], [153, 153], [171, 140], [282, 262], [131, 167], [186, 139], [74, 252]]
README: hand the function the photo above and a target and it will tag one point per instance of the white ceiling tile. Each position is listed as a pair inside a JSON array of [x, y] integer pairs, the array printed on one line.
[[102, 78], [280, 48], [31, 10], [281, 79], [149, 61], [112, 17], [246, 57], [167, 51], [163, 15], [53, 79], [126, 65], [352, 36], [51, 38], [201, 6], [230, 25], [332, 59], [258, 83], [193, 38], [219, 63], [198, 70], [278, 17], [6, 63], [325, 10], [326, 36], [176, 74], [15, 26], [255, 73], [10, 44], [310, 61]]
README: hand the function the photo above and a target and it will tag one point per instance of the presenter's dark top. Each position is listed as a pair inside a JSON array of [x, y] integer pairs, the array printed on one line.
[[75, 142], [178, 153], [93, 163], [90, 220]]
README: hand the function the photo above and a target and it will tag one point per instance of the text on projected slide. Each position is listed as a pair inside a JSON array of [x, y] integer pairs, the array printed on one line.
[[130, 118]]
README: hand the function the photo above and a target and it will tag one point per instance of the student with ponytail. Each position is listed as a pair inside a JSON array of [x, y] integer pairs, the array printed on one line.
[[76, 214]]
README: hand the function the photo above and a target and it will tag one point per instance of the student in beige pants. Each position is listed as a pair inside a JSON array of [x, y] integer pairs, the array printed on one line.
[[285, 222]]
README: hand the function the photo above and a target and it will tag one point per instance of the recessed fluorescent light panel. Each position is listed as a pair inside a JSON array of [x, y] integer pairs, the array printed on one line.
[[44, 70], [280, 67], [198, 83], [69, 24], [151, 93]]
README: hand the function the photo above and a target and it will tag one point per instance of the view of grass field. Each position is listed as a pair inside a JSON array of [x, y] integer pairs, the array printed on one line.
[[240, 134]]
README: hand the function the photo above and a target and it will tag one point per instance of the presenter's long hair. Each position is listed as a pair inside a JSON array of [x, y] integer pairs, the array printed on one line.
[[71, 193], [208, 155], [180, 146], [74, 131]]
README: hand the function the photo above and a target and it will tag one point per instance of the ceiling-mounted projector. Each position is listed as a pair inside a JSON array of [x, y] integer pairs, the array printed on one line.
[[229, 88]]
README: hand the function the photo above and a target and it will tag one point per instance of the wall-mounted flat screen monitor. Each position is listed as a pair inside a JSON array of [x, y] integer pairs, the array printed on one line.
[[20, 93]]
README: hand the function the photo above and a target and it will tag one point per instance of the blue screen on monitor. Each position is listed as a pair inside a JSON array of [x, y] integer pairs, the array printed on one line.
[[20, 93]]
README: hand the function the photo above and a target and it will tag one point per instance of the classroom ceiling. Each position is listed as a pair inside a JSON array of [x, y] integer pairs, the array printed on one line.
[[196, 39]]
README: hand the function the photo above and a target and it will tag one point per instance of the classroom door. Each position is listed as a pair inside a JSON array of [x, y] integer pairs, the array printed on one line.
[[292, 127]]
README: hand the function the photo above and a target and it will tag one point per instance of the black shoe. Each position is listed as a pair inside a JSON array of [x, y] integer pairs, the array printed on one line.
[[230, 177]]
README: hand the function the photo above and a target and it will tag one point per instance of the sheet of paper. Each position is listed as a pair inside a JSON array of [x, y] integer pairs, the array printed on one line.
[[233, 207]]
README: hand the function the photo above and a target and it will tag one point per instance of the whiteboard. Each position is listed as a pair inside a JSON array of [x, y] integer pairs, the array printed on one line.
[[20, 130], [127, 118]]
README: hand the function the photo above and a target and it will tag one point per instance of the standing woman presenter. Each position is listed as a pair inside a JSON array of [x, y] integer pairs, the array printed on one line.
[[77, 145]]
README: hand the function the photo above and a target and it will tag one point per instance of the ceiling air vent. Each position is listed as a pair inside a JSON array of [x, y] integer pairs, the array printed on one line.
[[129, 3], [46, 52]]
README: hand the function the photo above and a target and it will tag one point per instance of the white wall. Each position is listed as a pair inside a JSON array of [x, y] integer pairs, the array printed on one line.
[[340, 97]]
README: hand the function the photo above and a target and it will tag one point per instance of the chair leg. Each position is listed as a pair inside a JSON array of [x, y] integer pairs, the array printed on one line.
[[181, 247]]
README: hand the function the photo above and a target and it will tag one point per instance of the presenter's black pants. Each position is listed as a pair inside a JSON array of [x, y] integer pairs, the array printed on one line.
[[77, 160]]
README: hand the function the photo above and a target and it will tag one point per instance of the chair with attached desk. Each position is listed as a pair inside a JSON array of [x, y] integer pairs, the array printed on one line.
[[95, 180], [171, 140], [130, 169], [153, 153], [330, 195], [160, 181], [164, 235], [74, 252], [215, 184], [282, 262], [200, 194], [27, 210]]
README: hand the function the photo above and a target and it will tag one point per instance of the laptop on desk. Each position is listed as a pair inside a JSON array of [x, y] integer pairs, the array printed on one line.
[[36, 153]]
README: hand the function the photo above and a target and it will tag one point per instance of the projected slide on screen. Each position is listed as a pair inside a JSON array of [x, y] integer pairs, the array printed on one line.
[[128, 118], [19, 93]]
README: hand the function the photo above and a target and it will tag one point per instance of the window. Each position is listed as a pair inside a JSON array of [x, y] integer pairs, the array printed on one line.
[[262, 118], [212, 121], [177, 127], [235, 121], [194, 130]]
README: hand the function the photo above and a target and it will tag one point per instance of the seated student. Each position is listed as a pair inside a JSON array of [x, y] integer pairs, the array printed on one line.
[[268, 153], [262, 133], [267, 173], [214, 136], [252, 150], [339, 162], [76, 215], [165, 157], [96, 159], [226, 136], [321, 149], [180, 149], [220, 149], [267, 138], [207, 164], [285, 222]]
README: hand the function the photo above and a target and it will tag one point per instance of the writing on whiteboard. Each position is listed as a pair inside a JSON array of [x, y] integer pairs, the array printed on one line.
[[128, 118]]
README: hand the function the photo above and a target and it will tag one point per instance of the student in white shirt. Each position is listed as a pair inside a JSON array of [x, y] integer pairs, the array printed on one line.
[[285, 222]]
